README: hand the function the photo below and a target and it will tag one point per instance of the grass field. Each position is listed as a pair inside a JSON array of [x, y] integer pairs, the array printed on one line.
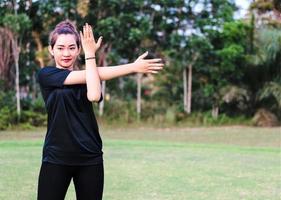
[[161, 164]]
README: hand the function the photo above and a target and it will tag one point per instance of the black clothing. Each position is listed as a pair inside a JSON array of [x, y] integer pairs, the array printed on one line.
[[72, 136], [55, 179]]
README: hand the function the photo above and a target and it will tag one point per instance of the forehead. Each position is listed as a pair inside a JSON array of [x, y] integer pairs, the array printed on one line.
[[65, 40]]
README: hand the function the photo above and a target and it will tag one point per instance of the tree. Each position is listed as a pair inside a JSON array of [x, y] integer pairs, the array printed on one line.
[[230, 59], [192, 32], [18, 24], [6, 58], [266, 60], [267, 12], [111, 19]]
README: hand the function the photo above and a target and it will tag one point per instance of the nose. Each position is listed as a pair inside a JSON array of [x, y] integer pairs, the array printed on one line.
[[66, 52]]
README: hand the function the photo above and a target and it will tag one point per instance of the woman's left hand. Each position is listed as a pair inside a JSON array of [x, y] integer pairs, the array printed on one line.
[[89, 45], [142, 65]]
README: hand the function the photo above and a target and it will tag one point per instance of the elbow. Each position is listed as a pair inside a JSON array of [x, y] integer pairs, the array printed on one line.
[[93, 97]]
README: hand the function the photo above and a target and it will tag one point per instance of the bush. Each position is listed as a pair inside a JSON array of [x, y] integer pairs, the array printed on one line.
[[33, 113], [33, 118], [7, 117], [265, 118], [206, 119], [7, 109], [119, 111]]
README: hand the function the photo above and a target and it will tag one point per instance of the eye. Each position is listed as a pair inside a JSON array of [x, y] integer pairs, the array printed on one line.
[[59, 48], [72, 48]]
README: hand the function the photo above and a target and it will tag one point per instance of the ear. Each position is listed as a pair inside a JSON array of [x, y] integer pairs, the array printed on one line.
[[51, 51]]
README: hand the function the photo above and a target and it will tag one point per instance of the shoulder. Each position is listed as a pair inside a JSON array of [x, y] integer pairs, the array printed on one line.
[[48, 69], [52, 76], [45, 70]]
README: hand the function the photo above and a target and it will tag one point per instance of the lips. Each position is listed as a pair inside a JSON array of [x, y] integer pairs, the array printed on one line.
[[66, 60]]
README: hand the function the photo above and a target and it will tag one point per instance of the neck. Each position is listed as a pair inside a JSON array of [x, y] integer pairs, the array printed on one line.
[[68, 68]]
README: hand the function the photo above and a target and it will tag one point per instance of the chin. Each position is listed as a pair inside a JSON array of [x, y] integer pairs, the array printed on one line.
[[66, 66]]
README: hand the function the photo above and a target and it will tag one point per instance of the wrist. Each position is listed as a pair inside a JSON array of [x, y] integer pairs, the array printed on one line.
[[133, 68], [88, 55], [90, 58]]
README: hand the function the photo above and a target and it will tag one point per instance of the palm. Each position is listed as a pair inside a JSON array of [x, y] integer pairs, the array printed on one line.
[[89, 45]]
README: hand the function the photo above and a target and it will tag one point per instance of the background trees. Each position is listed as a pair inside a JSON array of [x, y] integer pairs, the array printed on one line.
[[234, 64]]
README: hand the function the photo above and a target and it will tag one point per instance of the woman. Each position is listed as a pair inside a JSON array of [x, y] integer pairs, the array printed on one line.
[[73, 147]]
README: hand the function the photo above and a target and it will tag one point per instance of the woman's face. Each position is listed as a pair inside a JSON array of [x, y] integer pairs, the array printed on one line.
[[65, 51]]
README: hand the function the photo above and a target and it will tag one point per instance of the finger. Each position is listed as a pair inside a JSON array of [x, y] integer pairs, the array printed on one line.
[[157, 65], [99, 41], [92, 33], [153, 72], [88, 30], [143, 55], [155, 68], [84, 32], [155, 60]]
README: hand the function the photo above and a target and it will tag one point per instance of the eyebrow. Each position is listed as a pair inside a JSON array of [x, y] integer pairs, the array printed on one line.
[[61, 45]]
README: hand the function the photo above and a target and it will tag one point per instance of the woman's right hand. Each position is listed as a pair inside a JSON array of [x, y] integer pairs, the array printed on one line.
[[142, 65], [89, 45]]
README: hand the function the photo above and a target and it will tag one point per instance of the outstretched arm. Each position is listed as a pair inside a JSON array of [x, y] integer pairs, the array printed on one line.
[[141, 65]]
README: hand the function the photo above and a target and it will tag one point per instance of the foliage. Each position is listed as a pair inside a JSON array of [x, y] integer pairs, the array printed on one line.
[[7, 108], [265, 118], [238, 69], [17, 23], [270, 97], [34, 112], [120, 111], [7, 117], [33, 118]]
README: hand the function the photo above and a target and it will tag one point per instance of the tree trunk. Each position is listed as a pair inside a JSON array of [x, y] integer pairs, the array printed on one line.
[[6, 56], [215, 111], [103, 87], [185, 90], [39, 58], [34, 88], [16, 51], [101, 104], [18, 89], [139, 76], [189, 89]]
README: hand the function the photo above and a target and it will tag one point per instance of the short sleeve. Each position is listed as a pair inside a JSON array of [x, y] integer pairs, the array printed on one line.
[[101, 98], [52, 76]]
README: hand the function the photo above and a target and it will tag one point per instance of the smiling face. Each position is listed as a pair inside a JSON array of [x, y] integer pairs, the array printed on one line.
[[65, 51]]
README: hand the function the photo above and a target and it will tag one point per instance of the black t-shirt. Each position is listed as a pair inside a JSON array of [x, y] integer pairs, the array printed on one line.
[[72, 136]]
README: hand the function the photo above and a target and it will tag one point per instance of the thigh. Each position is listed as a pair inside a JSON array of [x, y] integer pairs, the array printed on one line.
[[88, 182], [53, 181]]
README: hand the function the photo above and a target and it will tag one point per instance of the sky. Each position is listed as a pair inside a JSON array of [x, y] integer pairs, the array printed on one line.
[[243, 5]]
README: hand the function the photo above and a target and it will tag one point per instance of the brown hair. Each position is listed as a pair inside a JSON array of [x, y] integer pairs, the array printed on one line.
[[64, 27]]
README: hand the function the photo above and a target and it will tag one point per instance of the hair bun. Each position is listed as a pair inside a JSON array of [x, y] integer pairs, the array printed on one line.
[[64, 27], [66, 24]]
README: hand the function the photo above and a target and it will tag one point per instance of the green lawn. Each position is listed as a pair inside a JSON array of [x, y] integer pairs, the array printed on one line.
[[161, 164]]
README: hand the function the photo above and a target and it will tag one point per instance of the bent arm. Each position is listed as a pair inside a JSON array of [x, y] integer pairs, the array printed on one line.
[[92, 78], [92, 81]]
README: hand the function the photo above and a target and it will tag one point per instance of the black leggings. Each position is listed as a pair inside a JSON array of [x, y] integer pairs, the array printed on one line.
[[55, 179]]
